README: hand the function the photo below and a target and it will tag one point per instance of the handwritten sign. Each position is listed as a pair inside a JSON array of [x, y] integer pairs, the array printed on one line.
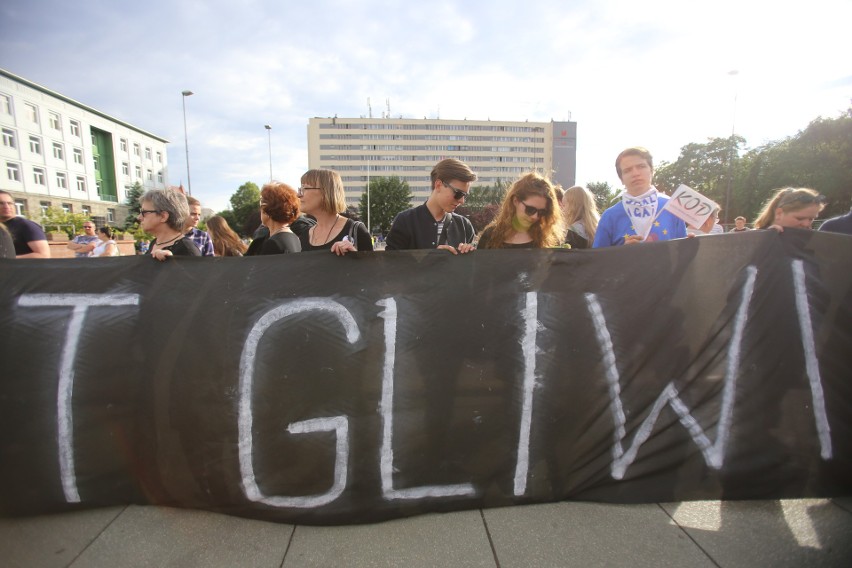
[[690, 206]]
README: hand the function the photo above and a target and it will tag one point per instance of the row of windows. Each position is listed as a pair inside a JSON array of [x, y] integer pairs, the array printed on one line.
[[14, 173], [125, 170], [21, 209], [511, 173], [438, 137], [448, 148], [426, 126], [35, 145], [55, 123], [431, 159]]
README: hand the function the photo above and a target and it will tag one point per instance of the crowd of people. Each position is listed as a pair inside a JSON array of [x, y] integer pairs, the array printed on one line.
[[535, 213]]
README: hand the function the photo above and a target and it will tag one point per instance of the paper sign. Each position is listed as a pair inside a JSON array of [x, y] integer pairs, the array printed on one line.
[[690, 206]]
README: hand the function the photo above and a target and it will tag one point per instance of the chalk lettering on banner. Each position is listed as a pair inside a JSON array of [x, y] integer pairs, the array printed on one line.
[[80, 304], [713, 452], [389, 314], [337, 424], [528, 343]]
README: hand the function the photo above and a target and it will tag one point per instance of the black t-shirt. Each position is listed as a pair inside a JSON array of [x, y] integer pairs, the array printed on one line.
[[485, 242], [281, 243], [355, 230], [181, 247]]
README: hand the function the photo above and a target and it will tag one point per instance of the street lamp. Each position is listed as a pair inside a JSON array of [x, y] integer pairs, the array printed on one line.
[[732, 73], [186, 141], [269, 132]]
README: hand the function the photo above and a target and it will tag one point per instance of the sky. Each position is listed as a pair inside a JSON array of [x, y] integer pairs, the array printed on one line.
[[656, 73]]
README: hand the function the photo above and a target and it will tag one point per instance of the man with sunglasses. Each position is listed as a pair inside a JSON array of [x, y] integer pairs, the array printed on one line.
[[83, 244], [435, 225], [640, 216]]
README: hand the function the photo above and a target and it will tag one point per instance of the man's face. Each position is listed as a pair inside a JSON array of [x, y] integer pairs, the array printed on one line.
[[451, 193], [194, 216], [636, 174], [89, 228], [7, 207]]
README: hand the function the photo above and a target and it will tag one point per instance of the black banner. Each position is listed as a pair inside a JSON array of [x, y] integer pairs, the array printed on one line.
[[314, 389]]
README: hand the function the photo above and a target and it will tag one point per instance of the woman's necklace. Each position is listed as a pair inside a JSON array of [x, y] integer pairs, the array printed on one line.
[[336, 217], [164, 243]]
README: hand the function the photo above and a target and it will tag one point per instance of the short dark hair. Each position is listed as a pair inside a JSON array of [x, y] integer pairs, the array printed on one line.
[[451, 169], [634, 151], [280, 202]]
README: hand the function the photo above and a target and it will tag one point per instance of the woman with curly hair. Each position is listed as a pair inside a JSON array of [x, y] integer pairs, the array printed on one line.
[[225, 241], [279, 206], [581, 217], [529, 217], [791, 207]]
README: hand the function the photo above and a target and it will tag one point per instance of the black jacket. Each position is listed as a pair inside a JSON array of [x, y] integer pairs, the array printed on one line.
[[415, 228]]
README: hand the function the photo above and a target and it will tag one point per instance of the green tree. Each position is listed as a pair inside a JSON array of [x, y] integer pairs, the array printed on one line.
[[604, 194], [481, 196], [55, 219], [388, 196], [134, 192], [244, 203]]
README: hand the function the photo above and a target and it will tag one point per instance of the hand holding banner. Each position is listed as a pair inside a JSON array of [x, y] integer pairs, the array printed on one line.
[[690, 206]]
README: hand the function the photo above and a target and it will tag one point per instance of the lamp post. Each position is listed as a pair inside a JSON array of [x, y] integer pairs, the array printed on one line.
[[186, 141], [269, 132], [732, 73]]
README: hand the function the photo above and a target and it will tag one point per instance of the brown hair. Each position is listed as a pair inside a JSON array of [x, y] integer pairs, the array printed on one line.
[[191, 201], [225, 241], [787, 199], [548, 231], [333, 195], [450, 169], [634, 151], [280, 202]]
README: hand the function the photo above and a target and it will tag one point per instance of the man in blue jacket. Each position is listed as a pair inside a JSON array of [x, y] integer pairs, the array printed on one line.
[[639, 216], [435, 225]]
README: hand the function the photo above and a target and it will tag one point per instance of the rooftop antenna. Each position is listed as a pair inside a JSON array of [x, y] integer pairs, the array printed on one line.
[[387, 102], [369, 108]]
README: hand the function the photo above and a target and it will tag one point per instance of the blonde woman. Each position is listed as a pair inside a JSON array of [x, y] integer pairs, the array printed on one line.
[[321, 196], [529, 217], [581, 217], [791, 207], [225, 241]]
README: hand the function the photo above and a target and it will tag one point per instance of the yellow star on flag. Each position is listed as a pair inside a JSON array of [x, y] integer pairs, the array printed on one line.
[[665, 231], [656, 223]]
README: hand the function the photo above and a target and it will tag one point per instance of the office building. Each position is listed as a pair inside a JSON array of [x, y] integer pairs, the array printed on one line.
[[498, 151], [60, 153]]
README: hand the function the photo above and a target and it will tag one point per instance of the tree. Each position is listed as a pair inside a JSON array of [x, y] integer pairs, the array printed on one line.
[[388, 196], [55, 219], [244, 202], [134, 192], [481, 196], [604, 194]]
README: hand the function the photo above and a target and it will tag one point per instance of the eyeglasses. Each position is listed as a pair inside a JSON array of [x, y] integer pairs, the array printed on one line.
[[530, 210], [792, 195], [144, 212], [457, 193], [301, 191]]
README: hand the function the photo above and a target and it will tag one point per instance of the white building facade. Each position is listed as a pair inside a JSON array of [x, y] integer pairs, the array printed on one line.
[[498, 151], [57, 152]]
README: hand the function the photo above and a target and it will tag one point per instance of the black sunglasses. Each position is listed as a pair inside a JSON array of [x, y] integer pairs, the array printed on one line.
[[530, 210], [143, 212], [457, 193]]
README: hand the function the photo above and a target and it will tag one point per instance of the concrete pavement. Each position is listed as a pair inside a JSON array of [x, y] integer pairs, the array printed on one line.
[[801, 532]]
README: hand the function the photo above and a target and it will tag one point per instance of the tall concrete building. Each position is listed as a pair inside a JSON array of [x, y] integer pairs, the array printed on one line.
[[498, 151], [61, 153]]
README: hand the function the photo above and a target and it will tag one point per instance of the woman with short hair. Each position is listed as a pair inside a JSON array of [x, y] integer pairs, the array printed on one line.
[[163, 213], [279, 207], [791, 207], [529, 217], [322, 197], [106, 245]]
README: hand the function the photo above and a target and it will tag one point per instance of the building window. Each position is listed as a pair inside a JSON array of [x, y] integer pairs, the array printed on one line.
[[78, 156], [61, 180], [75, 128], [123, 145], [81, 183], [159, 157], [35, 145], [125, 168], [57, 151], [150, 175], [138, 172], [136, 150], [38, 176], [32, 112], [160, 177], [13, 171], [97, 162], [147, 153], [110, 215], [5, 104], [20, 207], [44, 205], [86, 210], [55, 122], [9, 138], [66, 208]]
